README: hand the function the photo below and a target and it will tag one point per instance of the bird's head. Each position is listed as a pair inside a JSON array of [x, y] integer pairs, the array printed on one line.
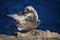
[[29, 8]]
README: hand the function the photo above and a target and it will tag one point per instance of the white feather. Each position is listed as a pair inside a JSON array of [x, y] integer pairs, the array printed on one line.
[[16, 17], [31, 8]]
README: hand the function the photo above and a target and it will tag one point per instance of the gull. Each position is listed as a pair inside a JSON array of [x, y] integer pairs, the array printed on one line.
[[27, 19]]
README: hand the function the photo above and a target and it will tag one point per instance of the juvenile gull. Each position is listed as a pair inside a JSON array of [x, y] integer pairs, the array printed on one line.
[[26, 20]]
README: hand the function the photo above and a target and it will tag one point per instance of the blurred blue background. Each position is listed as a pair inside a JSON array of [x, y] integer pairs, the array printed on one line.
[[48, 11]]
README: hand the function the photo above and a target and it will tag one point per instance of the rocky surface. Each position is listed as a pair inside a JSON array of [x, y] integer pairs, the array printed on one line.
[[35, 35]]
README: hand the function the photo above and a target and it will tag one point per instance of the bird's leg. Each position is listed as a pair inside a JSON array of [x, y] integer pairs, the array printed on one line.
[[32, 31]]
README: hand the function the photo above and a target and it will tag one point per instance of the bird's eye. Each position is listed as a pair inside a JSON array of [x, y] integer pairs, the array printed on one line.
[[27, 9]]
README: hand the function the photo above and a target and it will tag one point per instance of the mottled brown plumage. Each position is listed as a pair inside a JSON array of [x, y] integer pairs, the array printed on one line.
[[26, 20]]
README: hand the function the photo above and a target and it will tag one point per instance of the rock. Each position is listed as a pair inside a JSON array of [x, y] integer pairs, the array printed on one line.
[[39, 33], [33, 35]]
